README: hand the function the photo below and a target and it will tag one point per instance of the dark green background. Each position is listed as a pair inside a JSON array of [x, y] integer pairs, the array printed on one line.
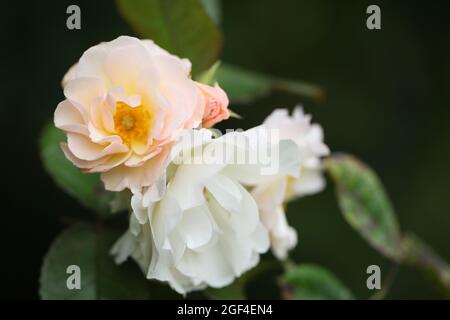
[[388, 103]]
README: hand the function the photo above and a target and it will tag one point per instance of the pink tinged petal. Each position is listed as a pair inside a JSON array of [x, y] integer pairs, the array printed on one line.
[[215, 104], [70, 74], [111, 162], [102, 137], [123, 41], [199, 110], [139, 148], [68, 118], [149, 79], [134, 178], [124, 64], [85, 149], [108, 120], [180, 92], [117, 94], [136, 160], [171, 68], [90, 64], [155, 50], [134, 101], [157, 125], [83, 91], [107, 115], [82, 164], [171, 122], [150, 96], [95, 112]]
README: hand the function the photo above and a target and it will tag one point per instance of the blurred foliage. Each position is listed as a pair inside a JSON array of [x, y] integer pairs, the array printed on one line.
[[88, 247], [419, 254], [182, 27], [367, 209], [313, 282], [244, 86], [213, 9], [85, 187], [364, 204]]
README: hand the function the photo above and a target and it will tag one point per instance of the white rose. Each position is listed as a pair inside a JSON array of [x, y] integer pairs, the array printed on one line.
[[272, 195], [204, 228]]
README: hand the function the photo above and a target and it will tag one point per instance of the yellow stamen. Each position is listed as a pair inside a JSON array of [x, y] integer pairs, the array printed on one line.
[[132, 124]]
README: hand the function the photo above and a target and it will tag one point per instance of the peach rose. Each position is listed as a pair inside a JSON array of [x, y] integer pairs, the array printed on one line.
[[127, 101], [216, 105]]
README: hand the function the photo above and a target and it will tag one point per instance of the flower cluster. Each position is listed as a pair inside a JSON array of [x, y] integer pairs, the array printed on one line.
[[133, 113]]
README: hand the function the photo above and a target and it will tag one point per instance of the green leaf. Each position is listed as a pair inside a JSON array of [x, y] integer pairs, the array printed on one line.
[[312, 282], [214, 9], [364, 204], [183, 27], [209, 76], [243, 86], [419, 254], [88, 247], [86, 187]]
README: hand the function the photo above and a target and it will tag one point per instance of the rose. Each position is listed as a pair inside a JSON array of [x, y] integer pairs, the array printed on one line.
[[309, 138], [126, 102], [216, 106], [201, 228], [273, 194], [270, 197]]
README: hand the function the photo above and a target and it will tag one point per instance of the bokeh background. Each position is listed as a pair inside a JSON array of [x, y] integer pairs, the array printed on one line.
[[388, 102]]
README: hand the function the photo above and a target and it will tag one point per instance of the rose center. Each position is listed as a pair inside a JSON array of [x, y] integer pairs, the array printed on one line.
[[128, 122], [132, 124]]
